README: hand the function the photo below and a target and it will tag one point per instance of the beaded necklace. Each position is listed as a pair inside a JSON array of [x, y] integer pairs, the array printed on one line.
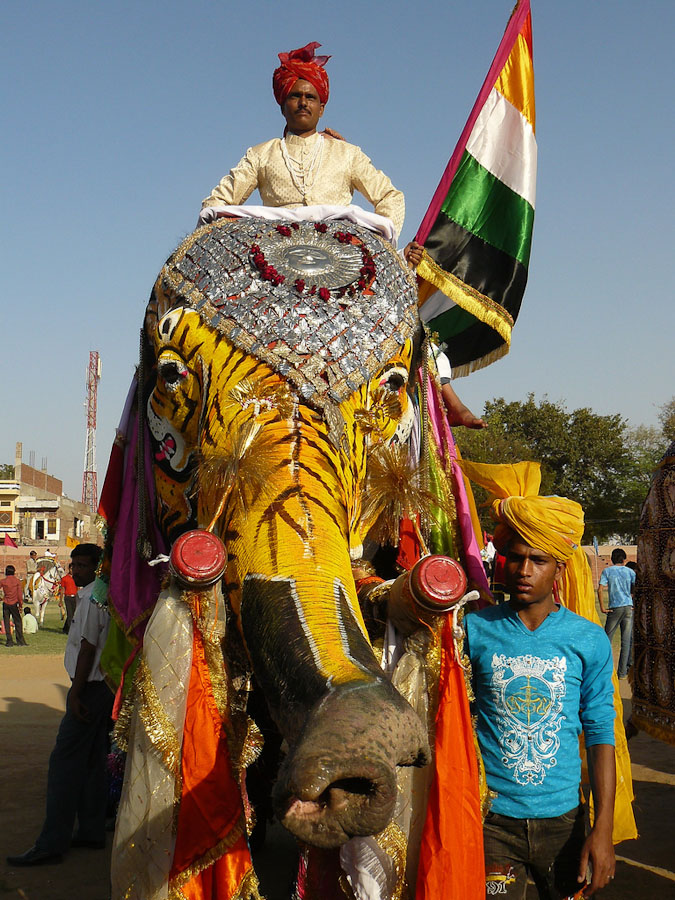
[[304, 181]]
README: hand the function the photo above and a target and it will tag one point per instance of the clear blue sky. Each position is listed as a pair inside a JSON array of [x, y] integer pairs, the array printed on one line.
[[118, 117]]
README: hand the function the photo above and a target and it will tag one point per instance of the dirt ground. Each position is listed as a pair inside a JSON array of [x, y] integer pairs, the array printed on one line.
[[31, 706]]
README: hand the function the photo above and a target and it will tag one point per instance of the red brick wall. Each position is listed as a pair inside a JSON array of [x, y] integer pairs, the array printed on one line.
[[38, 479]]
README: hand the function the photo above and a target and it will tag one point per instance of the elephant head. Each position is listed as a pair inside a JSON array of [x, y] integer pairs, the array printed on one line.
[[281, 355]]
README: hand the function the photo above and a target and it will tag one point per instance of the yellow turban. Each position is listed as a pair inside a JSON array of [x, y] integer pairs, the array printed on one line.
[[555, 525], [552, 524]]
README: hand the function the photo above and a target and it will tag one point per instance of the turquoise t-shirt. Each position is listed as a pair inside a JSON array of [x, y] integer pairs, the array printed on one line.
[[618, 580], [535, 692]]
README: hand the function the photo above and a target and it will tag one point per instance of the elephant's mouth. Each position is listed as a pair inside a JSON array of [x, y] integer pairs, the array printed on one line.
[[339, 780], [328, 813]]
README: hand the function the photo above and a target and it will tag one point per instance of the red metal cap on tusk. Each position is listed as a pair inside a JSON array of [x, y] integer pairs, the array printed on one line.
[[198, 558], [437, 583]]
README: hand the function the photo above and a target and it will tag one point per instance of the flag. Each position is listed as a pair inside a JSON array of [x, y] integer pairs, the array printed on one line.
[[8, 541], [477, 231]]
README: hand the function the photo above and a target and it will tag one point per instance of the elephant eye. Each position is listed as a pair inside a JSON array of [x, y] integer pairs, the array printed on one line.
[[171, 372], [394, 382]]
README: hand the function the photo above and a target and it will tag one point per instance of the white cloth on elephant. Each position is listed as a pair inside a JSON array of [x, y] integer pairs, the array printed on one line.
[[371, 872], [321, 213], [144, 836]]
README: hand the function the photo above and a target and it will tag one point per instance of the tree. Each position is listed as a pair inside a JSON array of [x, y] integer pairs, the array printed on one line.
[[587, 457], [667, 420], [6, 472]]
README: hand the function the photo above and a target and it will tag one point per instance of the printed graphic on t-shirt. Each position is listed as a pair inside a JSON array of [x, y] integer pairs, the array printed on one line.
[[528, 693]]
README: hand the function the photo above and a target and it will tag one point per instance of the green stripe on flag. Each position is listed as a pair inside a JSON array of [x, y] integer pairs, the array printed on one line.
[[483, 205], [451, 322]]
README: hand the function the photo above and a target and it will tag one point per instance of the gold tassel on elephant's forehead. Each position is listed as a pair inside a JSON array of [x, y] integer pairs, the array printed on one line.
[[242, 466], [392, 492], [263, 396], [385, 407]]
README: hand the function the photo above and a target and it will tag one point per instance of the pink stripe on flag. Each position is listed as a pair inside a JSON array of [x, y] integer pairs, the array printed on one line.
[[513, 28]]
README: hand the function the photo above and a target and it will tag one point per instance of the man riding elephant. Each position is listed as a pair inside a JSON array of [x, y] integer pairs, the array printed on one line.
[[305, 168]]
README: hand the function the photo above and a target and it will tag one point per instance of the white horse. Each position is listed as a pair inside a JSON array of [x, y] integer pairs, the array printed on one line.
[[45, 585]]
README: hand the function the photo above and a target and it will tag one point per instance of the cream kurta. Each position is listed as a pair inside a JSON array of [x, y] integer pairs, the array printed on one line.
[[327, 175]]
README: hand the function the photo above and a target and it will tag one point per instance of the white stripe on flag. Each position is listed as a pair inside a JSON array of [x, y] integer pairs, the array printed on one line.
[[434, 305], [503, 142]]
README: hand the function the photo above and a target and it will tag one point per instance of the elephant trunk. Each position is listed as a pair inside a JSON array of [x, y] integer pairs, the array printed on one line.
[[339, 779]]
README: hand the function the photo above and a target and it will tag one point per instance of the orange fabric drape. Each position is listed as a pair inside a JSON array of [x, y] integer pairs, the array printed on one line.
[[211, 808], [451, 855]]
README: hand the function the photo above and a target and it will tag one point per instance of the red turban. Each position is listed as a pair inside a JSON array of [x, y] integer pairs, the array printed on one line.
[[303, 64]]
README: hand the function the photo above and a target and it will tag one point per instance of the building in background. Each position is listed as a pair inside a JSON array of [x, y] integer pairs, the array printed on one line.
[[35, 512]]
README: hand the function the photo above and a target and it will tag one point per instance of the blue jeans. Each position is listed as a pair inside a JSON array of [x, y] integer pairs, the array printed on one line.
[[77, 784], [548, 850], [621, 617]]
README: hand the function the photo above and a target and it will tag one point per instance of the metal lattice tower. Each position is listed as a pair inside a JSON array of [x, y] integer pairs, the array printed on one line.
[[89, 485]]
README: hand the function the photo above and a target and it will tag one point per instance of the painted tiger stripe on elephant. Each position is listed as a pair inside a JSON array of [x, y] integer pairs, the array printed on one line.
[[301, 521]]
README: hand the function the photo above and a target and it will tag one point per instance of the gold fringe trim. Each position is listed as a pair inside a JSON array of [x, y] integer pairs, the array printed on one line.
[[252, 745], [123, 724], [482, 363], [210, 857], [393, 841], [160, 731], [249, 887], [479, 305], [486, 310]]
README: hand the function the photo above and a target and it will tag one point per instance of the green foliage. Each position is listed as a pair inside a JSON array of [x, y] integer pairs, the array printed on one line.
[[594, 459], [667, 420], [6, 472]]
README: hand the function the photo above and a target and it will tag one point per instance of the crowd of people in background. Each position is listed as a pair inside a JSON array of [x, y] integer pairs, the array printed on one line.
[[24, 606]]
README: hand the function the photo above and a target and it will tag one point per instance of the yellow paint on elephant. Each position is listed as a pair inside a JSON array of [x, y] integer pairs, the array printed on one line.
[[296, 520]]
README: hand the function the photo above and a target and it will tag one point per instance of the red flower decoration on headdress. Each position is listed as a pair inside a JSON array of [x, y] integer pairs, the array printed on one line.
[[301, 63]]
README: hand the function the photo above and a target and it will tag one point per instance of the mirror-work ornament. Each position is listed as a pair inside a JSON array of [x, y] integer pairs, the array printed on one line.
[[321, 304]]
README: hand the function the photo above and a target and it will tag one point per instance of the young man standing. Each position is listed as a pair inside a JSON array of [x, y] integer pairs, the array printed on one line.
[[11, 607], [620, 583], [69, 596], [76, 780], [542, 675]]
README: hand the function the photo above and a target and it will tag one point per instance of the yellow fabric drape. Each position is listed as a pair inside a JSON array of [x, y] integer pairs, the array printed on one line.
[[555, 525]]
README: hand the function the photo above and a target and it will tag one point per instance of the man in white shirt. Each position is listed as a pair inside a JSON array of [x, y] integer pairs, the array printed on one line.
[[76, 780]]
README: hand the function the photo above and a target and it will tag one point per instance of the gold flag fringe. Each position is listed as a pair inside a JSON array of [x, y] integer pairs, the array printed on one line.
[[486, 310]]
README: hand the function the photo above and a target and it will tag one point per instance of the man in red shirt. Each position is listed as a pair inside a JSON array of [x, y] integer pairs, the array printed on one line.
[[11, 607], [70, 595]]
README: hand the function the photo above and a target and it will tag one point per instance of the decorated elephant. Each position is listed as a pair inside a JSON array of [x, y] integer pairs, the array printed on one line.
[[283, 374], [653, 673]]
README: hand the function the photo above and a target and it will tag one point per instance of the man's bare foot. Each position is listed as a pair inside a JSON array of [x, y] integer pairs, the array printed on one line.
[[457, 412]]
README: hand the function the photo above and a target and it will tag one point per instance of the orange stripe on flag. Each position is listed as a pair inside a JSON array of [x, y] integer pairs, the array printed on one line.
[[516, 80]]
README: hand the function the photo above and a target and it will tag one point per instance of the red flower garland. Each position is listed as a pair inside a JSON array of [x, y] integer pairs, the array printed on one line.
[[269, 273]]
